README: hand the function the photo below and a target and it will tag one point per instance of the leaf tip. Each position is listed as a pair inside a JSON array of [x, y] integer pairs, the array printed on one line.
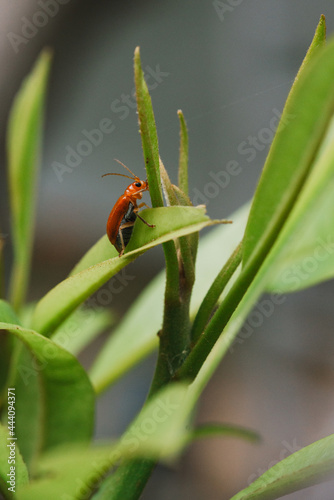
[[321, 28], [137, 53], [47, 52]]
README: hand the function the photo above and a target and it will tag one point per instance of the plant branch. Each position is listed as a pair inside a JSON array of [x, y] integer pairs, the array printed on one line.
[[210, 300]]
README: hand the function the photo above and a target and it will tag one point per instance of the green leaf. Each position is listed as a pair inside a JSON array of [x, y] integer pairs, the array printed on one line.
[[306, 115], [217, 430], [81, 328], [136, 335], [69, 473], [257, 266], [211, 299], [54, 398], [159, 431], [311, 465], [169, 193], [21, 473], [306, 244], [160, 428], [133, 339], [183, 158], [187, 245], [2, 265], [75, 471], [7, 313], [171, 222], [148, 132], [23, 146], [102, 250], [314, 189], [318, 41]]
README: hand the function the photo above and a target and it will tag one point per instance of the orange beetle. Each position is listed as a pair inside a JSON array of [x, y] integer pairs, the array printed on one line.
[[123, 216]]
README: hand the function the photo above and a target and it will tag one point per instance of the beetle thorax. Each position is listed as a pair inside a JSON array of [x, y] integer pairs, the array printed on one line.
[[135, 190]]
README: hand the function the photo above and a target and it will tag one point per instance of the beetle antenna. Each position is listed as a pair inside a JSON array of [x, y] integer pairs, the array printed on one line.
[[134, 176], [121, 175]]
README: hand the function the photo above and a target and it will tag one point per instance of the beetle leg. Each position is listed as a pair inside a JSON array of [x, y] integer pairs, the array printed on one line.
[[143, 220], [123, 226], [147, 224], [143, 204]]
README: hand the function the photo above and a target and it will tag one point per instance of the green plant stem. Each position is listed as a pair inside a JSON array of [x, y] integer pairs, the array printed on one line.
[[214, 329], [213, 294], [186, 246], [174, 335], [128, 481], [173, 348], [130, 478]]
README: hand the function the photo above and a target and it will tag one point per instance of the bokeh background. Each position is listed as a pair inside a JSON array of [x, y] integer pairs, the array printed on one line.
[[229, 66]]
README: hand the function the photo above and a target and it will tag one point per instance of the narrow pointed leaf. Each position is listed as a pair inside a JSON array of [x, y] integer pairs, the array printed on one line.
[[61, 405], [23, 146], [2, 266], [170, 222], [183, 157], [21, 473], [7, 313], [307, 244], [257, 272], [133, 339], [187, 245], [314, 190], [211, 299], [222, 430], [309, 466], [303, 124], [101, 251], [148, 132], [81, 328], [160, 428], [318, 41], [69, 473]]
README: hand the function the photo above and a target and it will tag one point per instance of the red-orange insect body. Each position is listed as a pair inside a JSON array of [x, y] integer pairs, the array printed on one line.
[[125, 211]]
